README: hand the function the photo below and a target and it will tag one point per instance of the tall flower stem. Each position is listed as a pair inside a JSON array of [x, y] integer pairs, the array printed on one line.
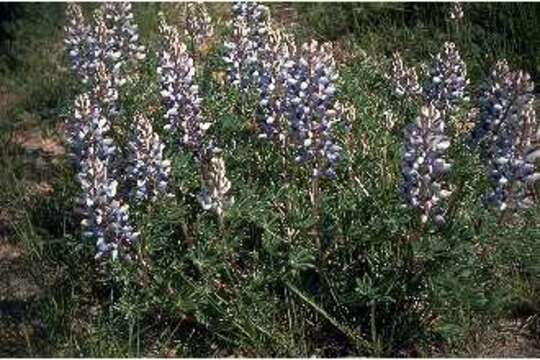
[[316, 210], [286, 180], [502, 217]]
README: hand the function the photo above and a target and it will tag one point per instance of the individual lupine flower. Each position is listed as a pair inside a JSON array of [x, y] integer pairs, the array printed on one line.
[[124, 32], [75, 41], [88, 128], [424, 165], [197, 24], [310, 81], [343, 115], [445, 86], [389, 120], [179, 92], [514, 147], [215, 193], [148, 170], [456, 11], [404, 79], [105, 218]]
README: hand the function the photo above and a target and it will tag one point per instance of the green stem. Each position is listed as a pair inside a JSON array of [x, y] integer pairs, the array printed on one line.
[[351, 334], [373, 325]]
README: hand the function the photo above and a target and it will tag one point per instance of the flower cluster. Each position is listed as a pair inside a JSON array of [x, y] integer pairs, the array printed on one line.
[[269, 80], [251, 23], [390, 120], [197, 24], [124, 32], [88, 128], [105, 88], [456, 11], [237, 51], [404, 79], [105, 217], [245, 10], [509, 135], [98, 54], [424, 165], [215, 193], [179, 91], [505, 92], [311, 106], [512, 163], [445, 86], [104, 49], [147, 169], [75, 41]]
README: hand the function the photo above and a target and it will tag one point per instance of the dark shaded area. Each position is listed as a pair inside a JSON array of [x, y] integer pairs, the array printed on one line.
[[489, 30], [9, 12], [22, 25]]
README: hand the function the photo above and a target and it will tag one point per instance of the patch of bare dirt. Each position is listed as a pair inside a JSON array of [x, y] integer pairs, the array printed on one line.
[[5, 224], [22, 289], [19, 291], [512, 338], [9, 252], [7, 100], [34, 140], [285, 14], [39, 189], [508, 338]]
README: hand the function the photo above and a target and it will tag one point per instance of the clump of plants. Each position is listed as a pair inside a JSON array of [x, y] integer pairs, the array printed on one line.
[[234, 213]]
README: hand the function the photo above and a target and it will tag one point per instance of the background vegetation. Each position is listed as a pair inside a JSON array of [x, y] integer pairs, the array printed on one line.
[[375, 285]]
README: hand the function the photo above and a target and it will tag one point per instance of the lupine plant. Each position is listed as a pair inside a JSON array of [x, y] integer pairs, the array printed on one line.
[[444, 85], [99, 54], [148, 170], [76, 41], [512, 161], [124, 33], [180, 93], [456, 12], [503, 94], [216, 187], [508, 134], [250, 33], [404, 79], [86, 128], [214, 279], [105, 217], [237, 49], [103, 52], [424, 166], [312, 109], [447, 79], [197, 25], [270, 85], [105, 66]]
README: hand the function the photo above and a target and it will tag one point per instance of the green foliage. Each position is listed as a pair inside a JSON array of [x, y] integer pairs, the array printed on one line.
[[488, 32]]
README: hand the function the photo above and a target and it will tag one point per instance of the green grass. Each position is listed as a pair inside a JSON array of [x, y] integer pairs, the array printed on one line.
[[372, 283]]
